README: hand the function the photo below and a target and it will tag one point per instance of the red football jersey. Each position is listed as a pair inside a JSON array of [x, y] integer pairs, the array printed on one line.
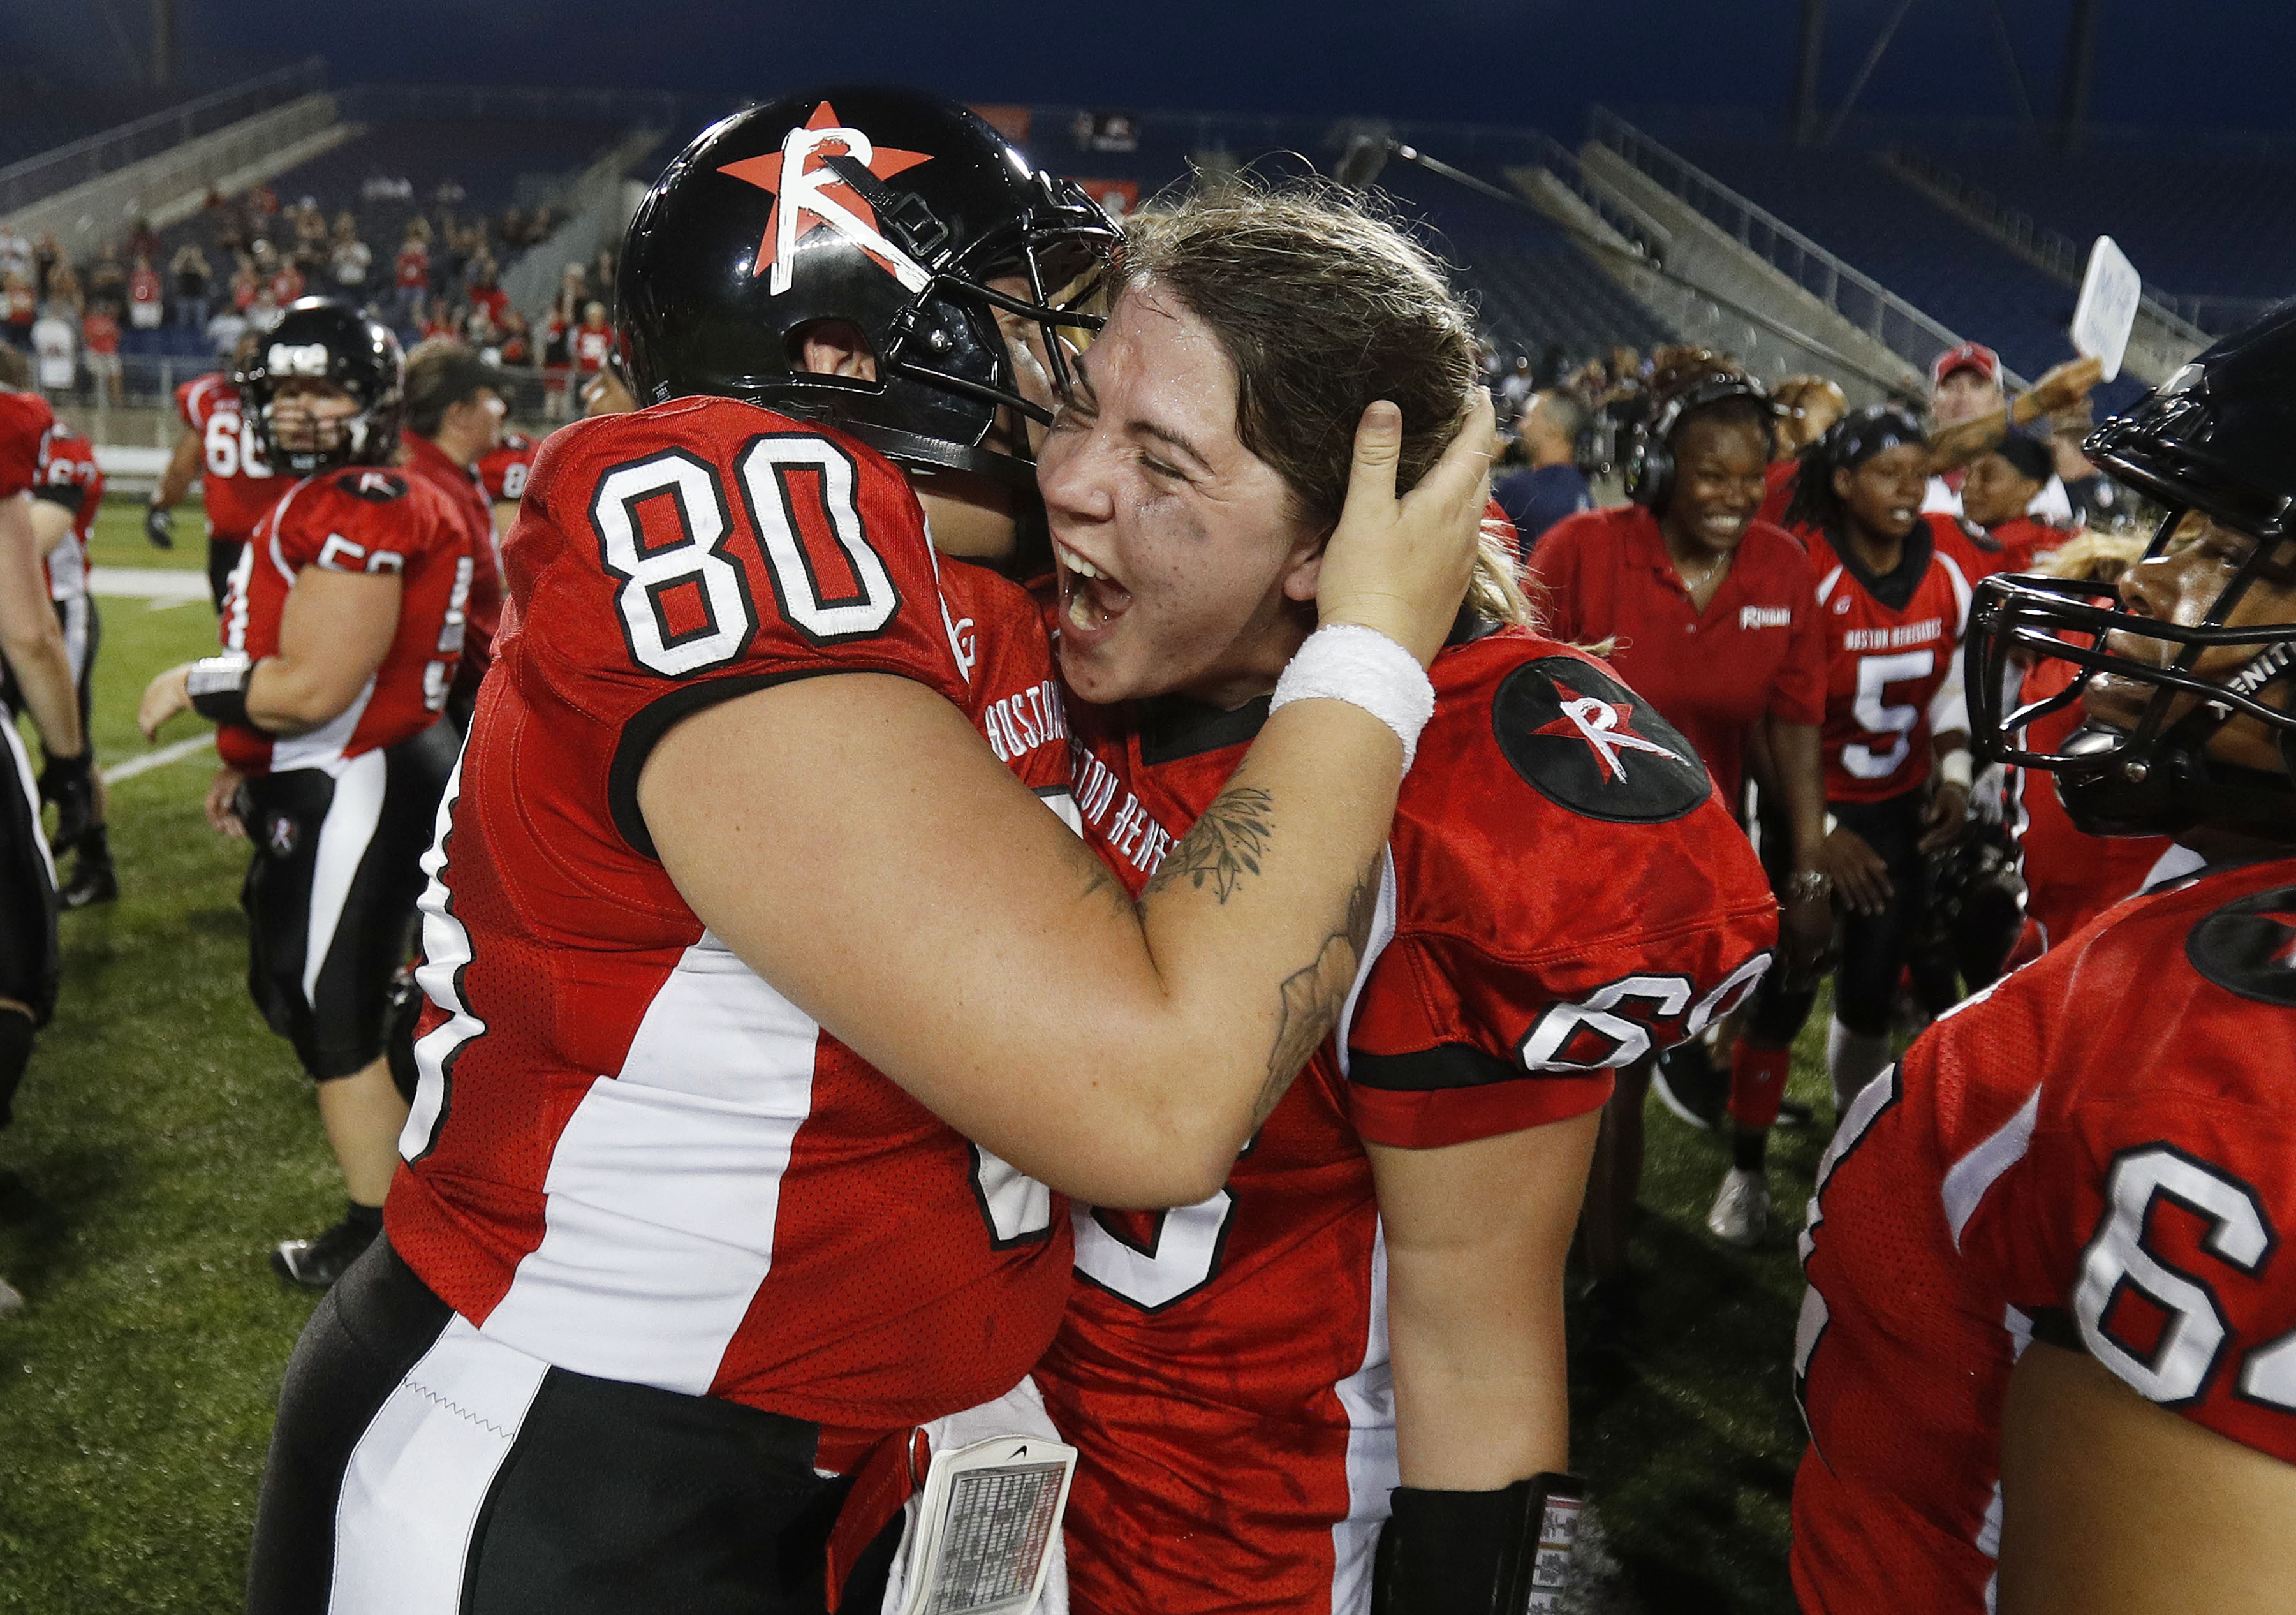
[[2069, 878], [2096, 1153], [361, 519], [629, 1155], [235, 481], [504, 468], [1778, 481], [1013, 691], [467, 497], [25, 423], [1563, 890], [1758, 649], [592, 348], [68, 461], [1884, 660]]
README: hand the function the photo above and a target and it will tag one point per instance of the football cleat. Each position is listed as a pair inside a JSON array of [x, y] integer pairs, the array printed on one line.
[[90, 883], [1741, 1210], [1688, 1084], [317, 1263]]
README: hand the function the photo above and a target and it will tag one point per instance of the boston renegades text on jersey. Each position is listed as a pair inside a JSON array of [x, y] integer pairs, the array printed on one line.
[[629, 1155], [1889, 644], [1563, 890]]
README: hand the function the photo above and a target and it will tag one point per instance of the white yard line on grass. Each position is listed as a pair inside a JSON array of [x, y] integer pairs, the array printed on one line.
[[173, 584], [174, 753]]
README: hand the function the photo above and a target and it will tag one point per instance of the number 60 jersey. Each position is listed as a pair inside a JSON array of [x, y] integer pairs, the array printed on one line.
[[628, 1155], [2096, 1154]]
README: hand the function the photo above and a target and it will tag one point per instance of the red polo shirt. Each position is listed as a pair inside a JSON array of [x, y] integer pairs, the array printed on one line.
[[1758, 649]]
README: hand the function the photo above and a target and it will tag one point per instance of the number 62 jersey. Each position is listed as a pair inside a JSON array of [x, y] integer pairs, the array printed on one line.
[[2099, 1153], [628, 1155]]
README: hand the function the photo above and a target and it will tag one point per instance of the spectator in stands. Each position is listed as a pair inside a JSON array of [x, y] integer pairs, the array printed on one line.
[[63, 290], [262, 205], [1965, 385], [55, 340], [1516, 386], [285, 282], [351, 258], [593, 340], [99, 335], [1550, 488], [2000, 488], [225, 329], [193, 279], [143, 240], [107, 280], [20, 306], [2099, 503], [265, 311], [512, 231], [517, 347], [47, 255], [411, 270], [146, 308], [539, 231], [602, 274], [485, 291], [15, 252], [246, 280], [1713, 616]]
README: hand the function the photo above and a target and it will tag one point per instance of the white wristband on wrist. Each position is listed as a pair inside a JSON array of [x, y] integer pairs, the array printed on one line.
[[1365, 668], [1955, 768]]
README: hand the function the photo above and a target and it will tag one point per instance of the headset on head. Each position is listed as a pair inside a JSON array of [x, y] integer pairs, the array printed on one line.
[[1649, 461]]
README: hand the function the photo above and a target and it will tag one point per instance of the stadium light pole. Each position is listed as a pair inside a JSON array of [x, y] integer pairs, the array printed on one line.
[[1806, 77], [2080, 68]]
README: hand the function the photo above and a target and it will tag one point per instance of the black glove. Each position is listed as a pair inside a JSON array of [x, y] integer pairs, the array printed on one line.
[[160, 525], [69, 783]]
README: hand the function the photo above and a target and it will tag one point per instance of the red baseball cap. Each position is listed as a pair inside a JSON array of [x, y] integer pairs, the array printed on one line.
[[1967, 355]]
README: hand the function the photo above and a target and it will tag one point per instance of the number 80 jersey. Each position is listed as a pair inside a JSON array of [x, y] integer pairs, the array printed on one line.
[[629, 1155], [2100, 1154]]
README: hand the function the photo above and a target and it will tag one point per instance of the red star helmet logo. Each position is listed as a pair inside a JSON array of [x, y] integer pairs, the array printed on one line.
[[2285, 919], [809, 195], [1604, 726]]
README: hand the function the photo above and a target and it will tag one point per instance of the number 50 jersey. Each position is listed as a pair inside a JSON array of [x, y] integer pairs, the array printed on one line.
[[629, 1155], [2096, 1154]]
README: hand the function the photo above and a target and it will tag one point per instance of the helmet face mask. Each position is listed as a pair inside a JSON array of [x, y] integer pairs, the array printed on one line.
[[2210, 443], [885, 209], [323, 345]]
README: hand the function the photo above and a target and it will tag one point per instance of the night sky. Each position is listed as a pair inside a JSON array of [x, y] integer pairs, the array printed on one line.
[[2213, 63]]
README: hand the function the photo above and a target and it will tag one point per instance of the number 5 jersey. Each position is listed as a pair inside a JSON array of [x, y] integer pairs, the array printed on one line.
[[1564, 892], [2095, 1154]]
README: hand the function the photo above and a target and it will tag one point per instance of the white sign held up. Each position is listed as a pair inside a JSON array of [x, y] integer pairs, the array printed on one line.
[[2107, 310]]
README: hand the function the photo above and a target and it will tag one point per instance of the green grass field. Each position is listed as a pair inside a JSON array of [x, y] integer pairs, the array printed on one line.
[[165, 1139]]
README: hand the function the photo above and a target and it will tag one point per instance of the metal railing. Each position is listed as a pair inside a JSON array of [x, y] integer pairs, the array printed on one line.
[[1850, 291], [24, 183], [2051, 248], [646, 108]]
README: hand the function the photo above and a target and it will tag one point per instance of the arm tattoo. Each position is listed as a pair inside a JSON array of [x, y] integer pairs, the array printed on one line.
[[1310, 1001], [1223, 846]]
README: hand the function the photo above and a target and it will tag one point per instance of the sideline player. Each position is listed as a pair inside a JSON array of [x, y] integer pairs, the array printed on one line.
[[2052, 1306], [341, 637], [1713, 616], [1562, 891], [454, 409], [222, 448], [32, 648], [670, 1257], [1893, 592], [65, 503]]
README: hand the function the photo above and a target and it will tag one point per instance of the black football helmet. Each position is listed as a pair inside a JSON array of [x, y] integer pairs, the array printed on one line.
[[885, 208], [2220, 438], [319, 339]]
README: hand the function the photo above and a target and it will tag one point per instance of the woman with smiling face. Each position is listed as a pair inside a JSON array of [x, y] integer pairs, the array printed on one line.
[[1893, 591], [1560, 891], [1711, 616]]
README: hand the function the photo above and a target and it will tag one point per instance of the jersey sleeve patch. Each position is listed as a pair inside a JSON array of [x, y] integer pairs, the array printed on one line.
[[2249, 947], [1587, 742]]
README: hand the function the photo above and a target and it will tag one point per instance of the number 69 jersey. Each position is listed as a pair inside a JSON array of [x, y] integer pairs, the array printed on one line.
[[1564, 892], [2096, 1154], [629, 1154]]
